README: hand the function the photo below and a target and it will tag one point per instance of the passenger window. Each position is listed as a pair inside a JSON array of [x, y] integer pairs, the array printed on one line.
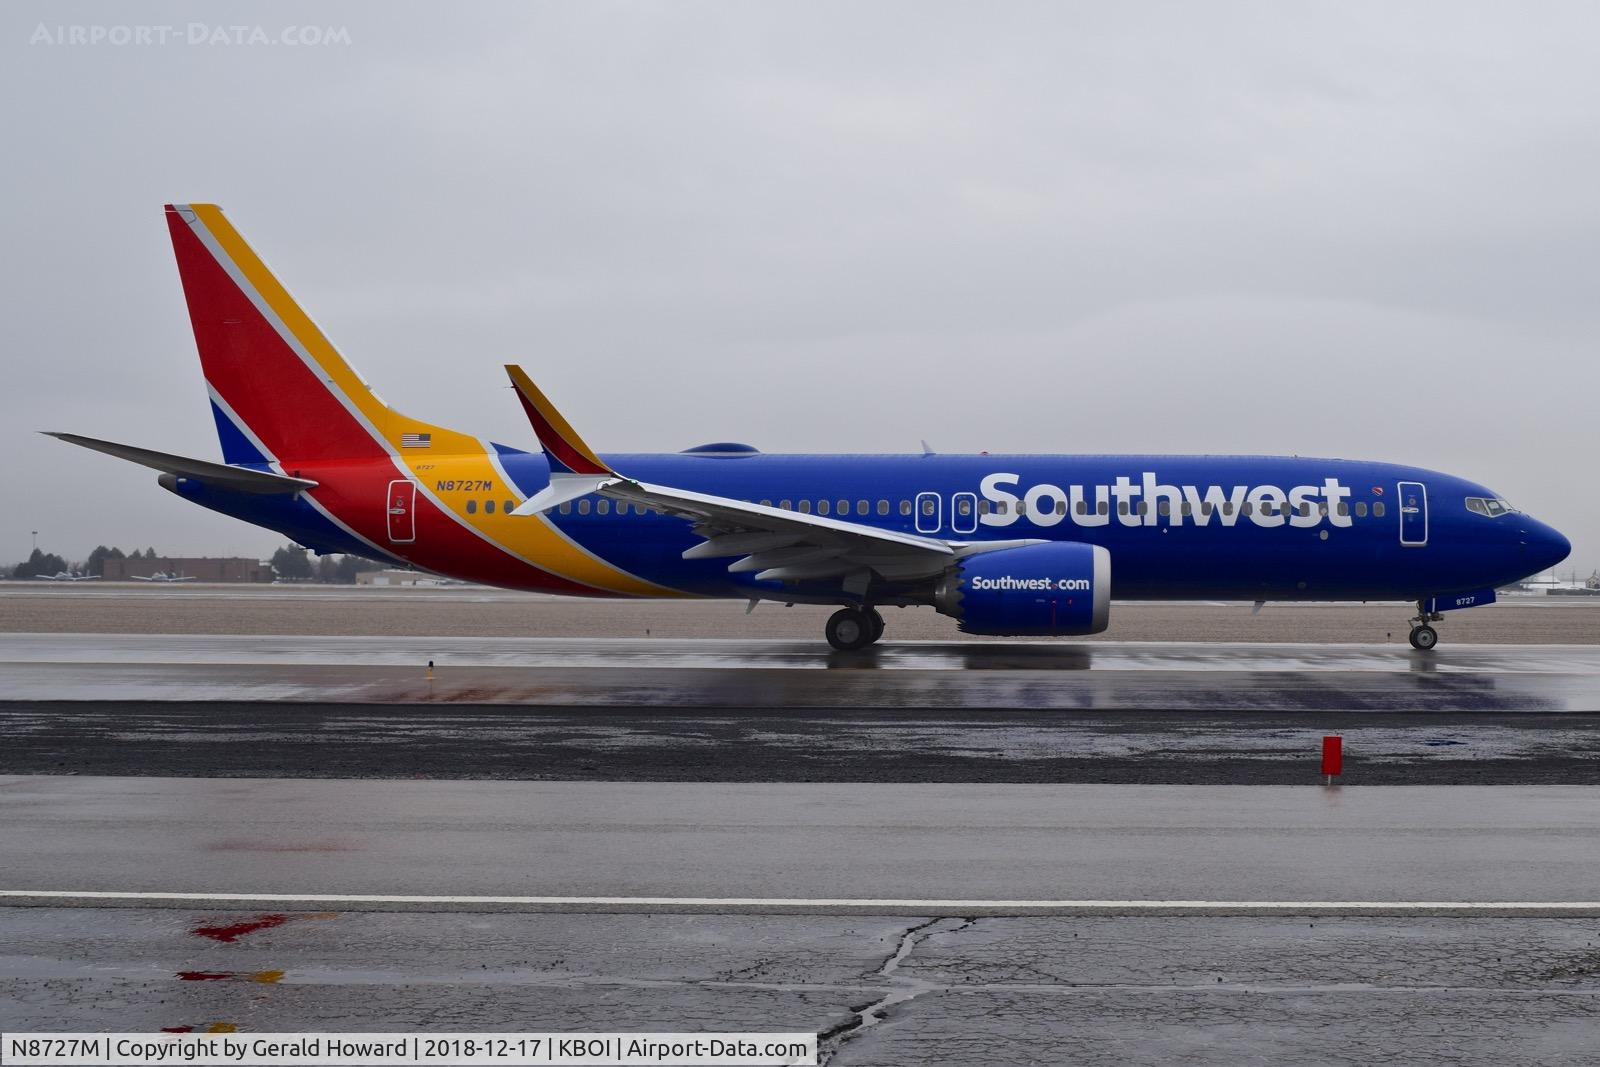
[[805, 507], [1083, 507], [1188, 508], [1022, 507], [983, 507], [927, 507], [1322, 509], [511, 505], [766, 503], [1122, 507], [1104, 507], [822, 507], [905, 507], [1144, 508], [472, 507], [1361, 509], [565, 509], [1344, 509], [1227, 507], [963, 507], [1377, 509], [862, 507], [1247, 508], [1001, 507], [883, 507], [488, 507], [784, 504], [603, 507], [844, 507], [1165, 507], [1206, 508], [583, 507]]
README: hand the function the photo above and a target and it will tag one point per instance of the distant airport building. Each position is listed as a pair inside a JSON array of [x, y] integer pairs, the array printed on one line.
[[397, 577], [190, 568]]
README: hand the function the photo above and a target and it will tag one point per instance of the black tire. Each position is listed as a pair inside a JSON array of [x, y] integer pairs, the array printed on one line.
[[1424, 638], [877, 624], [849, 630]]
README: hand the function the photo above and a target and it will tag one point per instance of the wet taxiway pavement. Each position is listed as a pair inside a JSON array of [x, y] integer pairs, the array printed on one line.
[[585, 672], [674, 710], [883, 989], [818, 847], [657, 744]]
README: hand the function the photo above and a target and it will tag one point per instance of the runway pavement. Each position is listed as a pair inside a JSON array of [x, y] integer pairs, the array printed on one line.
[[1212, 926], [817, 847], [205, 830], [882, 989]]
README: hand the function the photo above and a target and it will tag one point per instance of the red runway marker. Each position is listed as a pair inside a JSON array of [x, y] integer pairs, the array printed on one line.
[[1332, 757]]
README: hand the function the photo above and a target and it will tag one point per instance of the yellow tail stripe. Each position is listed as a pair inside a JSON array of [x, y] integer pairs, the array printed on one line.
[[531, 540]]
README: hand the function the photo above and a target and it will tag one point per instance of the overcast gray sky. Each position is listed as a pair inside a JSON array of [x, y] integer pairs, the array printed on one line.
[[1362, 230]]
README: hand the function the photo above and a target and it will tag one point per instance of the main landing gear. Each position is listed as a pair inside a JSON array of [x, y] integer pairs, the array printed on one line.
[[1423, 636], [850, 629]]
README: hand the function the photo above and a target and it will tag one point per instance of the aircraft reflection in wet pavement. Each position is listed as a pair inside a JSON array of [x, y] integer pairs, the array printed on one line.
[[1007, 544]]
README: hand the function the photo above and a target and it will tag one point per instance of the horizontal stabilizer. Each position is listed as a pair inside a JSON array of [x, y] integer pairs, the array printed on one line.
[[240, 479]]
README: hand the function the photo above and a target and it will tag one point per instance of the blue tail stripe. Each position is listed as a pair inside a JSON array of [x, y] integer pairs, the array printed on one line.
[[236, 447]]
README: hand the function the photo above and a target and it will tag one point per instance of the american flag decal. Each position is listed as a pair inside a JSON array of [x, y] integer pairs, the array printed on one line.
[[416, 440]]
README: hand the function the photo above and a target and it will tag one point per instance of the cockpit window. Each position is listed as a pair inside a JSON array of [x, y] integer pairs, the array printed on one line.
[[1490, 506]]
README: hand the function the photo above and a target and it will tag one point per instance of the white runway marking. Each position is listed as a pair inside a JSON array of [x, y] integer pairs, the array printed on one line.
[[896, 905]]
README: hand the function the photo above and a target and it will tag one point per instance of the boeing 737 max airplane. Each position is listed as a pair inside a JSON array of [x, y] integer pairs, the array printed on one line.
[[1006, 544]]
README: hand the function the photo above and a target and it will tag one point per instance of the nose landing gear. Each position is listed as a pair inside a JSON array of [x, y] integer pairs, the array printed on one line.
[[850, 629], [1423, 636]]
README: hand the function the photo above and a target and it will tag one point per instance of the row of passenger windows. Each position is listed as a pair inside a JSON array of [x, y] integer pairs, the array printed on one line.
[[963, 507], [823, 507]]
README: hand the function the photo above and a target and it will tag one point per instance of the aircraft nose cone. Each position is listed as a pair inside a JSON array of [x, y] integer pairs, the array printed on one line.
[[1546, 546]]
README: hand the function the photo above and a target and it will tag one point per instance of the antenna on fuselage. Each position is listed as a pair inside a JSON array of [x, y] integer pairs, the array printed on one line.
[[927, 449]]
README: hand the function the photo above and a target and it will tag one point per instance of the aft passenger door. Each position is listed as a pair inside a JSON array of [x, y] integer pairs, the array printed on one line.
[[401, 506], [1413, 514]]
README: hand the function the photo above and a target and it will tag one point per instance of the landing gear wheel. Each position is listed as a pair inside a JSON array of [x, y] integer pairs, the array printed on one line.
[[877, 624], [1424, 637], [849, 629]]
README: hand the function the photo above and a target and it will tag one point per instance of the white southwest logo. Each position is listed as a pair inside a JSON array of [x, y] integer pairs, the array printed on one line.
[[1098, 505], [1042, 585]]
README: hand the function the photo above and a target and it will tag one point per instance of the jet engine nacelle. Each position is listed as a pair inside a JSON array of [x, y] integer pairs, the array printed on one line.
[[1053, 590]]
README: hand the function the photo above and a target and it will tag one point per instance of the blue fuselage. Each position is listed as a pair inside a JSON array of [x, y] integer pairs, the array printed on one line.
[[1370, 531]]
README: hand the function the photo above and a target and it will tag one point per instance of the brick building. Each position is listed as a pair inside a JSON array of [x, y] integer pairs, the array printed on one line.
[[197, 568]]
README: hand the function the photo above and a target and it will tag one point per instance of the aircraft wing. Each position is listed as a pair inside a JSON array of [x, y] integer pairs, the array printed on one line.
[[775, 543], [781, 545]]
